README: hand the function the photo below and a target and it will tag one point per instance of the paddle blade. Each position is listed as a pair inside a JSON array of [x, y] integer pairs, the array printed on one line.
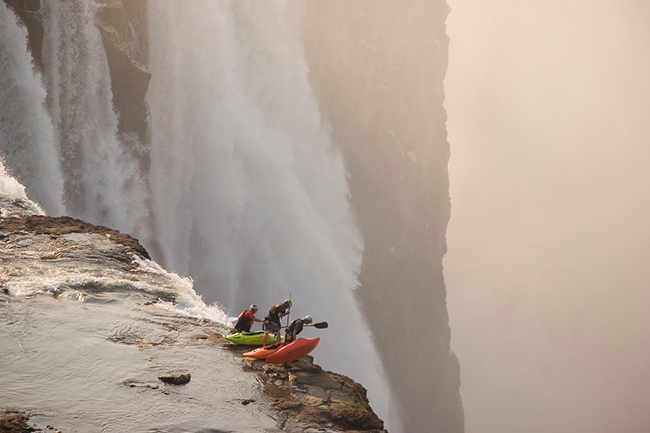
[[321, 325]]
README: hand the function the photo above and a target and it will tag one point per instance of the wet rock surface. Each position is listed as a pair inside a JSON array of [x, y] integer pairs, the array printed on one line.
[[17, 207], [13, 421]]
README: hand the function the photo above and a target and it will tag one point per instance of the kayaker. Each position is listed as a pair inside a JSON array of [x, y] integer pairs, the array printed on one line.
[[295, 328], [246, 319], [272, 321]]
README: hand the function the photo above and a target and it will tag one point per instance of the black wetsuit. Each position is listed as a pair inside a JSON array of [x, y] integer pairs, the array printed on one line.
[[295, 325], [273, 319]]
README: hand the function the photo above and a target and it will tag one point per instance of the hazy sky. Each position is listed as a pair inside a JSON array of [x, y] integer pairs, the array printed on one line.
[[548, 270]]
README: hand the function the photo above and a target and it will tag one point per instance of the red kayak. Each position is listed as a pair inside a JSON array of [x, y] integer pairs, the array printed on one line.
[[292, 351], [263, 352]]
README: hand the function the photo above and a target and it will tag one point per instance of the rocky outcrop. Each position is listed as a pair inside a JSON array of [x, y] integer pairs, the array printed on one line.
[[13, 421], [308, 399], [58, 226], [302, 392]]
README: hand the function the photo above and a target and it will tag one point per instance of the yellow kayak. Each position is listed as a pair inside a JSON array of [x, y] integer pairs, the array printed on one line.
[[254, 338]]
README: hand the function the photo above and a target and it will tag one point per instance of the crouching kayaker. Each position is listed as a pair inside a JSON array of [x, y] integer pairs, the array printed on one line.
[[246, 319], [272, 321], [295, 328]]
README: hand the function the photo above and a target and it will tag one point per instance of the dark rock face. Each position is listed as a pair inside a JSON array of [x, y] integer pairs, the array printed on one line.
[[124, 31], [377, 69]]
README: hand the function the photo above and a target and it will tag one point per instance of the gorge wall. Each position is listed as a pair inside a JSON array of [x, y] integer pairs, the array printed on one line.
[[377, 69]]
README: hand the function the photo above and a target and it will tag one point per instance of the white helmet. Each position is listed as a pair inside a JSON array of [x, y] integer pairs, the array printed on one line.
[[307, 319]]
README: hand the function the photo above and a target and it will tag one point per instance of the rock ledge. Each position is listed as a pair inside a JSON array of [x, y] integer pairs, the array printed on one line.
[[56, 226], [303, 394]]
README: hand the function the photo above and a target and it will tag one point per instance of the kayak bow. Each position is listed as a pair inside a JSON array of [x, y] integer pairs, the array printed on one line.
[[292, 351]]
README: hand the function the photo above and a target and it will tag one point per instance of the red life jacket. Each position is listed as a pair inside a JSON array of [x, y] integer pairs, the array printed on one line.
[[245, 320]]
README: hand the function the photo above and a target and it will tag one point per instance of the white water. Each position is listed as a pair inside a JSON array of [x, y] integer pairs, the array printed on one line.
[[9, 186], [102, 182], [26, 133], [249, 196], [13, 192]]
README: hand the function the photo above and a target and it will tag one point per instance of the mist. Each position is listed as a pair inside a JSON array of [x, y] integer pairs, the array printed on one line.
[[548, 267]]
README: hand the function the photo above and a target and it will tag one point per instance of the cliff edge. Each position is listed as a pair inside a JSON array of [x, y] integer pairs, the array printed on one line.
[[300, 396]]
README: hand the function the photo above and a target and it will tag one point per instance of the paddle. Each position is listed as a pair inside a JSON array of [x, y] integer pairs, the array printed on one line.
[[289, 312], [319, 325]]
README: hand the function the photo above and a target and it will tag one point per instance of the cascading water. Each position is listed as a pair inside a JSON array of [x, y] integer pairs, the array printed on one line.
[[248, 195], [102, 181], [26, 132]]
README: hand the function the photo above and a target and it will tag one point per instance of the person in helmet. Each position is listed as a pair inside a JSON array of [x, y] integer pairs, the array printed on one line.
[[295, 328], [272, 320], [246, 318]]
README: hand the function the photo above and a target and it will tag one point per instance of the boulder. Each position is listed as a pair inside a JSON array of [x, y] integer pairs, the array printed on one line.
[[176, 379]]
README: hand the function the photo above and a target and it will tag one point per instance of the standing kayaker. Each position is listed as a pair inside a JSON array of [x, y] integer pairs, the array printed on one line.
[[246, 318], [272, 321], [295, 328]]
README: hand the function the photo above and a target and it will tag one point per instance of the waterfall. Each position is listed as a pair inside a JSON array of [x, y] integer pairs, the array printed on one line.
[[102, 183], [246, 191], [26, 134], [248, 194]]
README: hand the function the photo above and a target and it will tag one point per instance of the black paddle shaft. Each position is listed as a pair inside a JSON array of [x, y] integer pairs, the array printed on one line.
[[319, 325]]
